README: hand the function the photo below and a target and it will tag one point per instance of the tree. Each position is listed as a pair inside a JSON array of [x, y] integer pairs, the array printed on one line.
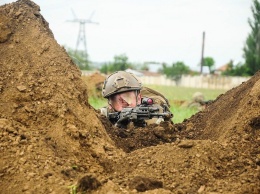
[[120, 63], [252, 47], [144, 67], [104, 68], [79, 58], [236, 70], [176, 70], [209, 62]]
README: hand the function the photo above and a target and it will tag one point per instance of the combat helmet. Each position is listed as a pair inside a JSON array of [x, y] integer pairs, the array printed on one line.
[[198, 97], [120, 81]]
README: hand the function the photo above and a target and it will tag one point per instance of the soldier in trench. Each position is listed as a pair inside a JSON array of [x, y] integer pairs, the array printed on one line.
[[123, 90]]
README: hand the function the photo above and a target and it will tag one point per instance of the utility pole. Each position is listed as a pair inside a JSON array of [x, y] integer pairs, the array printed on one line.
[[202, 53]]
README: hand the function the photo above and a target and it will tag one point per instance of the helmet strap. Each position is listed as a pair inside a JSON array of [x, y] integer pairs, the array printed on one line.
[[136, 96], [110, 104]]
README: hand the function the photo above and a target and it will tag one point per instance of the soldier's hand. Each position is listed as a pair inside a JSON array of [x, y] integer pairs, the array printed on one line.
[[122, 123]]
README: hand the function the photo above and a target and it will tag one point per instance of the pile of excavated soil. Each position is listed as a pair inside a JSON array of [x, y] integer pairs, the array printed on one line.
[[50, 136], [215, 151], [53, 141], [94, 84]]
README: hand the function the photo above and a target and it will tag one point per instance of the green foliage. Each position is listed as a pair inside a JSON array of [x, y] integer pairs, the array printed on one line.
[[120, 63], [176, 70], [209, 62], [181, 113], [104, 68], [144, 67], [236, 70], [80, 58], [184, 93], [73, 189], [97, 102], [252, 47], [174, 93]]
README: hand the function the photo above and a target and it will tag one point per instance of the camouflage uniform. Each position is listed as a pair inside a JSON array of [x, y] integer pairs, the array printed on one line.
[[197, 101]]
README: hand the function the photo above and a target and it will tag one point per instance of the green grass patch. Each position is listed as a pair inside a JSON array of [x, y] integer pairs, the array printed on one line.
[[97, 102], [183, 93], [180, 113], [175, 93]]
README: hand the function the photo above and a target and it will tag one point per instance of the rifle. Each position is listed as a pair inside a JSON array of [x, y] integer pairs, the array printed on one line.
[[146, 110], [206, 102]]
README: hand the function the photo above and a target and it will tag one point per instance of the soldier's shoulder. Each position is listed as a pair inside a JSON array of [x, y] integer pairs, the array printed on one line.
[[106, 110], [155, 95]]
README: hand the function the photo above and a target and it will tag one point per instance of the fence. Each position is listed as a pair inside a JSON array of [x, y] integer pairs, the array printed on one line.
[[200, 81]]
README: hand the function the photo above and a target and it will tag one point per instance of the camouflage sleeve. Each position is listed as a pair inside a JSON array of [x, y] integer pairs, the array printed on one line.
[[104, 111]]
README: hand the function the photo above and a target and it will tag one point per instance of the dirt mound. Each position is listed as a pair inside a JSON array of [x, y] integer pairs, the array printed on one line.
[[53, 141], [94, 84], [217, 150], [49, 135]]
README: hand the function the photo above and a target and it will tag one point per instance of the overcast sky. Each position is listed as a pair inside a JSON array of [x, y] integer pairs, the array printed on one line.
[[153, 30]]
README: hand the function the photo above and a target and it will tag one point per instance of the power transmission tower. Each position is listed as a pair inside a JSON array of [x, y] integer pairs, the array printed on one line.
[[82, 34]]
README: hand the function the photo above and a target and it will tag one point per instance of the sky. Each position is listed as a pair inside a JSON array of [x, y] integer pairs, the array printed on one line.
[[153, 30]]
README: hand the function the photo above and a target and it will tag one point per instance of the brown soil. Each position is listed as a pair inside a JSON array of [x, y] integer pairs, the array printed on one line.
[[94, 84], [53, 141]]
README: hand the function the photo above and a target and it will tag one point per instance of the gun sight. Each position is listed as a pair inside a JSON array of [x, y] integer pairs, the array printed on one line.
[[147, 101]]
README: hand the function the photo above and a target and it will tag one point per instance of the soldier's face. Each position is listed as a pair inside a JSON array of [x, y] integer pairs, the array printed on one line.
[[125, 99]]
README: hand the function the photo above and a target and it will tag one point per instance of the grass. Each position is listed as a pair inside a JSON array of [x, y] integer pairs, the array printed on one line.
[[183, 93], [73, 189], [181, 113], [173, 94], [97, 102]]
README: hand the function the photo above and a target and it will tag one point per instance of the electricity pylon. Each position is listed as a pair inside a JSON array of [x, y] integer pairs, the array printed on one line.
[[82, 34]]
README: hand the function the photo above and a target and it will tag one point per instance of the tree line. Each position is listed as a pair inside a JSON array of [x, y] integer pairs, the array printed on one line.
[[251, 54]]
